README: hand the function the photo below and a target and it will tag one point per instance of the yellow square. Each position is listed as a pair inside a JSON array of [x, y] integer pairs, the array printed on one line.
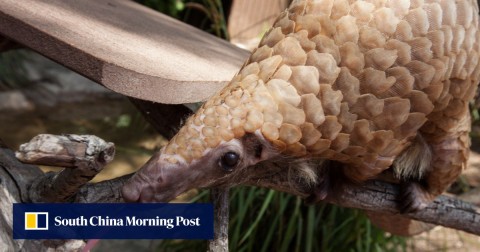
[[31, 220]]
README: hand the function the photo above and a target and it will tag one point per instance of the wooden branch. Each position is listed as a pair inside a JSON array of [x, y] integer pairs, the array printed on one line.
[[82, 156], [378, 196], [15, 179], [220, 202], [373, 196]]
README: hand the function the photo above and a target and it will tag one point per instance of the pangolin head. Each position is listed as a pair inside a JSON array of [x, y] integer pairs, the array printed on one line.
[[270, 111], [350, 82], [258, 116]]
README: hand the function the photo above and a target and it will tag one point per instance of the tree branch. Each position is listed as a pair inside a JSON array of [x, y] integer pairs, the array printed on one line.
[[373, 196], [82, 156], [379, 196], [220, 201]]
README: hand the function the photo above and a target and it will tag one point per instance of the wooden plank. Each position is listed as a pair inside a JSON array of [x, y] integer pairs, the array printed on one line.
[[124, 46]]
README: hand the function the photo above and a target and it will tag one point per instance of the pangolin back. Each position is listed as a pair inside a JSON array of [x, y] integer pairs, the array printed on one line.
[[351, 81], [366, 84]]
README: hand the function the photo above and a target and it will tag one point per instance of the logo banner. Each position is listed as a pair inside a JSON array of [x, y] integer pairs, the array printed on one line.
[[113, 221]]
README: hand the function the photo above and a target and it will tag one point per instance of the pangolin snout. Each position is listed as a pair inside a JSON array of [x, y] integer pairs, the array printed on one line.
[[138, 189], [160, 180], [157, 181]]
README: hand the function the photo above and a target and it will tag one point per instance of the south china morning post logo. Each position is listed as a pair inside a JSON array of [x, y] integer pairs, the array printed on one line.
[[113, 221], [36, 220]]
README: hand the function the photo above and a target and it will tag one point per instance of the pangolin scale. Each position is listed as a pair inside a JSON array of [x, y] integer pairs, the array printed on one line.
[[370, 84]]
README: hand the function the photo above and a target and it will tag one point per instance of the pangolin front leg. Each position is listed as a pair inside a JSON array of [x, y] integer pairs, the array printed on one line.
[[366, 85]]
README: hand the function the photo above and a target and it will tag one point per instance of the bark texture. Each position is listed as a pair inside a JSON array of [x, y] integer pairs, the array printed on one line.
[[86, 155], [382, 197], [220, 201], [82, 156]]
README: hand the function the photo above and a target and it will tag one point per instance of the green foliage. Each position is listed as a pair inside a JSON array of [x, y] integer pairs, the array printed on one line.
[[214, 16], [207, 15], [475, 115], [170, 7], [266, 220]]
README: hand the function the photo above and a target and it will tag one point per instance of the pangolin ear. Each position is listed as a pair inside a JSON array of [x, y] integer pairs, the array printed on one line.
[[257, 149]]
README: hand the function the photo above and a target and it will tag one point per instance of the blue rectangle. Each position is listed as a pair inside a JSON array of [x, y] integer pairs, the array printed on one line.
[[41, 221], [116, 221]]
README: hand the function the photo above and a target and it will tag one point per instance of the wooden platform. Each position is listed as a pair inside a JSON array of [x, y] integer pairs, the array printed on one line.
[[124, 46]]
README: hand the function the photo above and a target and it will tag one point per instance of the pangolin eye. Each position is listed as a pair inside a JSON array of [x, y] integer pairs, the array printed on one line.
[[229, 160]]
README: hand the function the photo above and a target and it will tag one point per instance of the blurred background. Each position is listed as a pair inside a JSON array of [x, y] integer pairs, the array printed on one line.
[[39, 96]]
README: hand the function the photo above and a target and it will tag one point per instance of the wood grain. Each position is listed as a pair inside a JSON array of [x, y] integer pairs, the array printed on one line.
[[124, 46]]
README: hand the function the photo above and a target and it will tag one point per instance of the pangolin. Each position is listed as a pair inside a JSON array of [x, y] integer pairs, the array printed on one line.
[[359, 86]]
